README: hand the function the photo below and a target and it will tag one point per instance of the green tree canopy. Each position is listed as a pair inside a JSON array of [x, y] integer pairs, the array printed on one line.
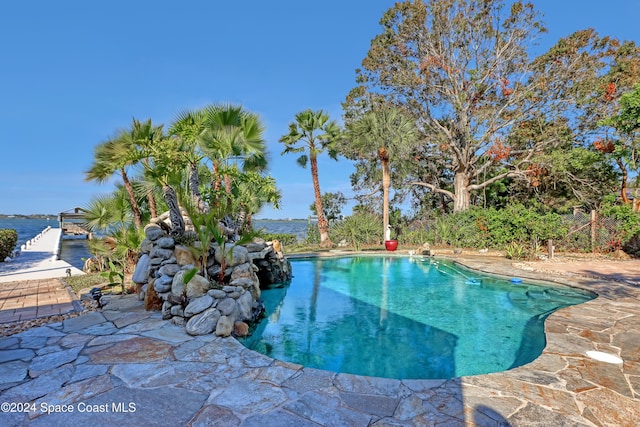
[[485, 109]]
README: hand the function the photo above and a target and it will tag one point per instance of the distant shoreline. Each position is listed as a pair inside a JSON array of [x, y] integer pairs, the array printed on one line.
[[30, 216], [48, 216]]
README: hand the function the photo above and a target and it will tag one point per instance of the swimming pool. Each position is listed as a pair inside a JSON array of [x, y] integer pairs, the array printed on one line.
[[405, 318]]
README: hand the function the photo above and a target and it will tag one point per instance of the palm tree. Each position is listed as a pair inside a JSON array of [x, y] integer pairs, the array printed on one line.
[[189, 126], [230, 134], [315, 133], [166, 167], [111, 156], [254, 191], [140, 138], [380, 135]]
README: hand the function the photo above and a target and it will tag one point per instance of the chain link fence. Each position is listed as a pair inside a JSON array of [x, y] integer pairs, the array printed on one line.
[[589, 233]]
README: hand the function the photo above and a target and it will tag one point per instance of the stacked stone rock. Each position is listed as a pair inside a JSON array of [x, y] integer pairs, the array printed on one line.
[[202, 305]]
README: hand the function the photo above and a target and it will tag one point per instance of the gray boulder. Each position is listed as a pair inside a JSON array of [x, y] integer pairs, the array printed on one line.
[[198, 305], [203, 323], [141, 273]]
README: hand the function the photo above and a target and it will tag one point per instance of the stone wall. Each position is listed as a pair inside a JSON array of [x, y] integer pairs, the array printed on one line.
[[203, 304]]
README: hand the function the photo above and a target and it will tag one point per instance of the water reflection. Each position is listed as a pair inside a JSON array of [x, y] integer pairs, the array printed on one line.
[[389, 317]]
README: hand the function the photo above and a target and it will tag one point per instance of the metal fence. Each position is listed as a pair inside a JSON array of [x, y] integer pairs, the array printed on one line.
[[589, 233]]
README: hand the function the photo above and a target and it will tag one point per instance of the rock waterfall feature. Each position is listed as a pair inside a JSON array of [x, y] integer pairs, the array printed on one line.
[[225, 300]]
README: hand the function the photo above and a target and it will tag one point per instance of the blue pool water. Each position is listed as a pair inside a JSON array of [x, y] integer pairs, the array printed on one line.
[[405, 318]]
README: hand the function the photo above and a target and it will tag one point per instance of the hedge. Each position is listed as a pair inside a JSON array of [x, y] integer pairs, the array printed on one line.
[[8, 240]]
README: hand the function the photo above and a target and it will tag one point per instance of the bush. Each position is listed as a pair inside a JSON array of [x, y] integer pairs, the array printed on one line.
[[516, 251], [492, 228], [8, 240], [284, 238], [358, 229], [313, 234]]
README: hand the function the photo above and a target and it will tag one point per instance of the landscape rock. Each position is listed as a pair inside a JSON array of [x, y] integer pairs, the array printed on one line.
[[166, 243], [177, 285], [163, 284], [198, 305], [183, 255], [236, 256], [141, 272], [197, 287], [227, 306], [244, 305], [169, 269], [153, 232], [146, 246], [204, 323], [217, 293], [240, 329], [224, 326], [158, 252]]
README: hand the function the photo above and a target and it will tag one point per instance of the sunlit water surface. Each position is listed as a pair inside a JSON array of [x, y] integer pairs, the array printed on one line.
[[405, 318]]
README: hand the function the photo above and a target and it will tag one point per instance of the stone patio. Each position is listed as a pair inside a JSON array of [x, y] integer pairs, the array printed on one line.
[[125, 366]]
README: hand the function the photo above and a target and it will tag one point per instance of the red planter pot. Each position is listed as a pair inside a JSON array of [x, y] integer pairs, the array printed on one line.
[[391, 245]]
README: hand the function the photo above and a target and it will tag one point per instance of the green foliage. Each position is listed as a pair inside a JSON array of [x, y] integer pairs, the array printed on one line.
[[491, 228], [206, 226], [189, 275], [8, 240], [516, 251], [120, 248], [115, 275], [415, 237], [627, 221], [358, 230], [332, 204], [313, 234], [284, 238]]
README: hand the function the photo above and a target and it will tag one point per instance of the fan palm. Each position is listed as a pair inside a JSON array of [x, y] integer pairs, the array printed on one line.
[[230, 134], [110, 157], [312, 133], [380, 135], [188, 126]]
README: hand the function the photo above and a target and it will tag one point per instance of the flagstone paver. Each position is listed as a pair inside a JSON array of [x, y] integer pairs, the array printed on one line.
[[125, 366]]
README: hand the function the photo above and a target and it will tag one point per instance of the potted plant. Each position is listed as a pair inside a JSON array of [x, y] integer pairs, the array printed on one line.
[[389, 243]]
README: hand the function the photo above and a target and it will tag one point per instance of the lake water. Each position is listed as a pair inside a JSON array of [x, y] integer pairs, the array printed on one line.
[[75, 251]]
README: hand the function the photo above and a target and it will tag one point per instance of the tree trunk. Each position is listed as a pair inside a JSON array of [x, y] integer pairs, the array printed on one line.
[[194, 188], [323, 225], [227, 189], [177, 223], [623, 184], [383, 155], [137, 217], [462, 200], [153, 210]]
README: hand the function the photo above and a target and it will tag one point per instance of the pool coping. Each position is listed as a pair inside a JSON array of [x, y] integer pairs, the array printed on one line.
[[125, 353], [564, 383]]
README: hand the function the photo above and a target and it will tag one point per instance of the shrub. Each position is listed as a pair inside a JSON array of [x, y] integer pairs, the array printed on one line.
[[359, 229], [516, 251], [284, 238], [627, 221], [480, 228], [8, 240], [313, 234]]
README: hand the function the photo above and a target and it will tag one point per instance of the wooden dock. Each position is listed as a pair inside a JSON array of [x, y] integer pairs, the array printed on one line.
[[38, 259], [72, 222]]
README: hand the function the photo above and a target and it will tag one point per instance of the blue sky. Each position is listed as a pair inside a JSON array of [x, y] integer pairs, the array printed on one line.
[[73, 72]]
